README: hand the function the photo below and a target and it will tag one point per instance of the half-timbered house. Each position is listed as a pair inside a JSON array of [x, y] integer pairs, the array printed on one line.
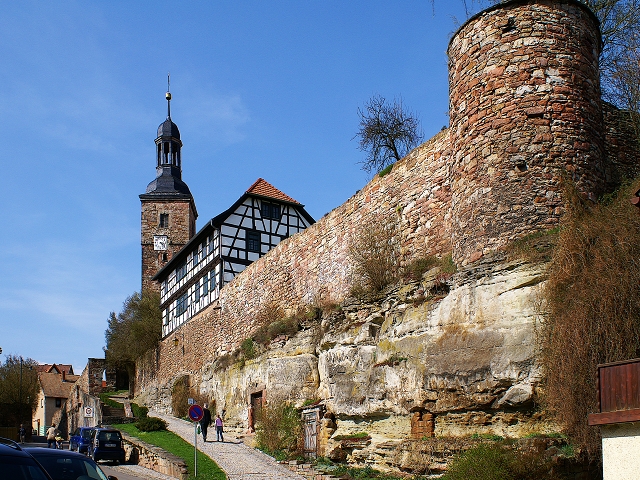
[[260, 219]]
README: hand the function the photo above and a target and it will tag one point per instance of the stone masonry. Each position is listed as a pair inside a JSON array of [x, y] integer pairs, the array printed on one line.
[[182, 226]]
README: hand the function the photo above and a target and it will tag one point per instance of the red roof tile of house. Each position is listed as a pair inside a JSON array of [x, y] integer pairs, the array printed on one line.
[[265, 189], [55, 368], [53, 386]]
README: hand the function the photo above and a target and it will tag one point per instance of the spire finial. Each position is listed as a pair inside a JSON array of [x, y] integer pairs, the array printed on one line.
[[168, 95]]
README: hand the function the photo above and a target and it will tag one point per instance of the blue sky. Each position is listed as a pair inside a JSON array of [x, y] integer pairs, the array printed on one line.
[[260, 89]]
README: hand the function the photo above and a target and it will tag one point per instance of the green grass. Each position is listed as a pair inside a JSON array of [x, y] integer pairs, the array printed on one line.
[[106, 399], [172, 443]]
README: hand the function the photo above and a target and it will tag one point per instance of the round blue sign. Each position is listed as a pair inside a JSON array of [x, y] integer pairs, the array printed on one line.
[[196, 413]]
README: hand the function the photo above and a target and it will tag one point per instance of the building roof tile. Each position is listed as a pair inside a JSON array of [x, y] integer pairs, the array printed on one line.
[[265, 189], [55, 368], [53, 386]]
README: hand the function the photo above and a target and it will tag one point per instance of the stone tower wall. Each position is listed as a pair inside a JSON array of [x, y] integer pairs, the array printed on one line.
[[525, 107], [180, 230]]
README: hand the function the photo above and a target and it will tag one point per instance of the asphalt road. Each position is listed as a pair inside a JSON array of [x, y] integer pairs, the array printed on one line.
[[117, 472], [132, 472]]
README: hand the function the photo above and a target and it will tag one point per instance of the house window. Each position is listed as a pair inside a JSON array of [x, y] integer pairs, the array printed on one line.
[[270, 210], [196, 257], [164, 220], [197, 291], [253, 241], [213, 282], [181, 304], [205, 284], [181, 271]]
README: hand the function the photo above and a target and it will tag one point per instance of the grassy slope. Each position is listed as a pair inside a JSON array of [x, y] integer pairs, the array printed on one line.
[[207, 468]]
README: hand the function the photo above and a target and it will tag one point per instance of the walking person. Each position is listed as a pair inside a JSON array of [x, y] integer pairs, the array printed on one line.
[[219, 427], [22, 432], [205, 422], [51, 436]]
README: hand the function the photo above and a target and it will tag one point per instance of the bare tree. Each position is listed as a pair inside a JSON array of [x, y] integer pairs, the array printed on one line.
[[387, 132], [620, 26]]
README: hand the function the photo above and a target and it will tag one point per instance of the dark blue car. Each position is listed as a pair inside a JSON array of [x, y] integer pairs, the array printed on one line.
[[106, 444], [80, 439]]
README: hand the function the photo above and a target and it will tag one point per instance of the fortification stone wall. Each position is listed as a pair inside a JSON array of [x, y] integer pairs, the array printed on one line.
[[524, 106]]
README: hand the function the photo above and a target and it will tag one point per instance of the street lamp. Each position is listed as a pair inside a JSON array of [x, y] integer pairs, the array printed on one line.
[[20, 394]]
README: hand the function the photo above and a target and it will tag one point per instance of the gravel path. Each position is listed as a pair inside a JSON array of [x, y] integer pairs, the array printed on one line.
[[238, 461]]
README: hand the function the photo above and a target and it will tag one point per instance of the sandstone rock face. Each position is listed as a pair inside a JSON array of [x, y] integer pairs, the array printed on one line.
[[467, 357]]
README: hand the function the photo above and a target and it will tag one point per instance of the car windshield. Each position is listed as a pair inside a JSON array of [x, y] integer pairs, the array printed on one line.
[[109, 436], [20, 468], [86, 434], [70, 468]]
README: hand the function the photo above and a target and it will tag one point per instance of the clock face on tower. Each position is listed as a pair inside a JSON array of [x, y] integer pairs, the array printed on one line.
[[160, 242]]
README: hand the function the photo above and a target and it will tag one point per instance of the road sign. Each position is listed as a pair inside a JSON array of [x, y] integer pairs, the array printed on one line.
[[88, 412], [191, 401], [196, 413]]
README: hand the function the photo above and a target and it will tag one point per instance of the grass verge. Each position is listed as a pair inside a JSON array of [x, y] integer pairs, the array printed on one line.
[[172, 443]]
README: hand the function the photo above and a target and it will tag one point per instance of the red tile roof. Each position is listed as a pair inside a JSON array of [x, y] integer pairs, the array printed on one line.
[[55, 368], [53, 386], [265, 189]]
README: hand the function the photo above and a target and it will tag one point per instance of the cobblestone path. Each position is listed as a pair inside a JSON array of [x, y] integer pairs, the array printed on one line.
[[238, 461]]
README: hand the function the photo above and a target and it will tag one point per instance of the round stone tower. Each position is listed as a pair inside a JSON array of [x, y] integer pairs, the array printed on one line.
[[525, 108]]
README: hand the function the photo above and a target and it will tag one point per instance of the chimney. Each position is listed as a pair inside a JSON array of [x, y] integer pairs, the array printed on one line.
[[64, 375]]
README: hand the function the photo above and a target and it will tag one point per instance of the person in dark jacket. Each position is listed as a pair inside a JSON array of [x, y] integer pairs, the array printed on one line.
[[205, 422]]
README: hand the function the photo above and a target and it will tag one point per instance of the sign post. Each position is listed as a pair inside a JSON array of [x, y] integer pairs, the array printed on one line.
[[196, 412]]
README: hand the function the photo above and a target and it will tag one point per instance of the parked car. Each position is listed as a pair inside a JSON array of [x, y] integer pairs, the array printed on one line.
[[66, 465], [80, 439], [106, 444], [16, 464]]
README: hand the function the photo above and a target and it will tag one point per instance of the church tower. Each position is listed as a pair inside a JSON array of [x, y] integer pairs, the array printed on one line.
[[168, 210]]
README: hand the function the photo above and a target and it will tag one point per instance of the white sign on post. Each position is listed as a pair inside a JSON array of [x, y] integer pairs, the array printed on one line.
[[88, 412], [191, 401]]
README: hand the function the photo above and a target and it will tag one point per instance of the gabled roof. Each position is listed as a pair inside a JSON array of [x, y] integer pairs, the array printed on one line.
[[262, 188], [55, 368], [53, 386]]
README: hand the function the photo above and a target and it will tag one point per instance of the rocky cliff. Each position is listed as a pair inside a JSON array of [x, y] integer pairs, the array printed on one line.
[[455, 351]]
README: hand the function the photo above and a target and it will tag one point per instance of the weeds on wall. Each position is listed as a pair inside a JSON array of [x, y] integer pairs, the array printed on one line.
[[591, 305], [536, 247], [375, 252], [279, 430], [180, 397], [181, 392]]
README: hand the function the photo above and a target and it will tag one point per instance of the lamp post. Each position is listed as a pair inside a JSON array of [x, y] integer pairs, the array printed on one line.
[[20, 395]]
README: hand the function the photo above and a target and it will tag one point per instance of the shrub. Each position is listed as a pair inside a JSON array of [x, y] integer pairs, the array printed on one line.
[[248, 348], [500, 461], [419, 266], [278, 429], [591, 307], [138, 411], [385, 170], [151, 424], [375, 253]]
